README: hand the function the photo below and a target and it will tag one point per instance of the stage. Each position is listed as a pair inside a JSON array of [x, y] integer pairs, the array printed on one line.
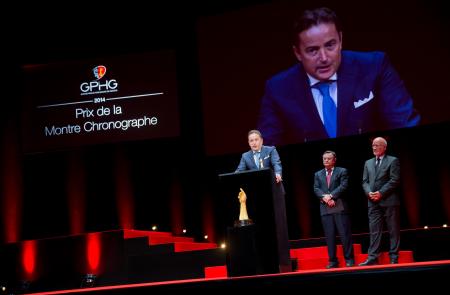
[[138, 262], [354, 280]]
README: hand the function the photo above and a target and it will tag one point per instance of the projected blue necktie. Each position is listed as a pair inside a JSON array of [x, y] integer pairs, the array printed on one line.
[[328, 108]]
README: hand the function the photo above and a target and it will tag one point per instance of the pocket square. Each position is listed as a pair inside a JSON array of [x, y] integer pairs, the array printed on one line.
[[266, 157], [360, 102]]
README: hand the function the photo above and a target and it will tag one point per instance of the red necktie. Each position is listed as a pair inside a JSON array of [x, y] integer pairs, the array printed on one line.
[[328, 177]]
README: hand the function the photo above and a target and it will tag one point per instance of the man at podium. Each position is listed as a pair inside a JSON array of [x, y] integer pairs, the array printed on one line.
[[262, 246], [260, 156]]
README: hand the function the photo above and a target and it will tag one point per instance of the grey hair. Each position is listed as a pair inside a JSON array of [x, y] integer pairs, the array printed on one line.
[[329, 152]]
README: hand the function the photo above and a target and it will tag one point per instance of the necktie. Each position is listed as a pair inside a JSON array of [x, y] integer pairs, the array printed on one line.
[[377, 163], [328, 177], [257, 159], [328, 108]]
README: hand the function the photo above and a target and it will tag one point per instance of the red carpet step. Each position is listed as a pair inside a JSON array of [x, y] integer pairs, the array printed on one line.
[[317, 257], [216, 272], [158, 238], [404, 257]]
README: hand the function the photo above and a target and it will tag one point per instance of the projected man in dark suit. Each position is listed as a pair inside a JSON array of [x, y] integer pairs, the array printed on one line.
[[331, 92], [260, 156], [330, 185], [381, 179]]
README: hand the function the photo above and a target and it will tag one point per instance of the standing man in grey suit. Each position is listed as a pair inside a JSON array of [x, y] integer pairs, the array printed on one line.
[[260, 156], [380, 181], [330, 185]]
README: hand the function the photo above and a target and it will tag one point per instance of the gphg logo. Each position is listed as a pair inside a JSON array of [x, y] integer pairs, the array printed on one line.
[[95, 87], [99, 72]]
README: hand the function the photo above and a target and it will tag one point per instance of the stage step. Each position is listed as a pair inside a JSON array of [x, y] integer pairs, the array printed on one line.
[[320, 252], [317, 257], [177, 265], [216, 272], [160, 238], [133, 233], [153, 237], [404, 257], [188, 246]]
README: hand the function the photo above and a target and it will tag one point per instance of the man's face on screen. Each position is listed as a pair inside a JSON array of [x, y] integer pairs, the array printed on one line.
[[255, 141], [319, 50]]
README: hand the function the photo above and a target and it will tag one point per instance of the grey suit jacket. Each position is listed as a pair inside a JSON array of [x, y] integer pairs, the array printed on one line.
[[270, 158], [338, 186], [385, 179]]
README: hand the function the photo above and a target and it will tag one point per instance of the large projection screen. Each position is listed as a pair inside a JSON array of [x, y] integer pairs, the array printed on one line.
[[240, 50]]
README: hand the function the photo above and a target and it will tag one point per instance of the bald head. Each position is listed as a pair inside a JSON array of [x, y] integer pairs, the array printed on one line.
[[380, 140], [379, 145]]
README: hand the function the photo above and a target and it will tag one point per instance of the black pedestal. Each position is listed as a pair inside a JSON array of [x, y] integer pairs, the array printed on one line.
[[262, 247], [243, 258]]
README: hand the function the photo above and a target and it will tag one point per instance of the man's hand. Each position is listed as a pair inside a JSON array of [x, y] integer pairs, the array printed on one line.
[[278, 178], [375, 196], [331, 203], [327, 199]]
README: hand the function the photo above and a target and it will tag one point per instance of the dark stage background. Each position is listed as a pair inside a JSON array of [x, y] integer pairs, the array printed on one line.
[[172, 182]]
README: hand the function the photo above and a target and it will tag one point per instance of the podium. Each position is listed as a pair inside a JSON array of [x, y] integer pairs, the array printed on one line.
[[262, 247]]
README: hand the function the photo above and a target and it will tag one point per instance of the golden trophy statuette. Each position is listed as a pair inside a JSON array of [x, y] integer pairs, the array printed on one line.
[[243, 215]]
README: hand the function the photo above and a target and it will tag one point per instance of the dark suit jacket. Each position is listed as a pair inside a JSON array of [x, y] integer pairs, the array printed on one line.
[[371, 96], [338, 186], [385, 179], [270, 158]]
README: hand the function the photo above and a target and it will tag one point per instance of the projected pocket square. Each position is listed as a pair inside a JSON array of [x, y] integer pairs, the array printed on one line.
[[363, 101]]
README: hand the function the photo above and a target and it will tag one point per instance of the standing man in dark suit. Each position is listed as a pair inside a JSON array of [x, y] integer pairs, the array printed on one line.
[[331, 92], [260, 156], [381, 179], [330, 185]]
